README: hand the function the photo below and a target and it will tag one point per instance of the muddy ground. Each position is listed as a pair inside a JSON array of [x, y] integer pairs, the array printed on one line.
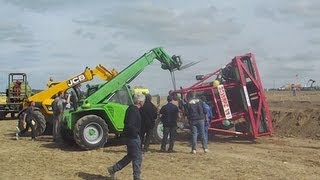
[[293, 152]]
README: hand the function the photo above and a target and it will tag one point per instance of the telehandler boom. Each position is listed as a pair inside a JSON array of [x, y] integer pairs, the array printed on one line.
[[44, 99]]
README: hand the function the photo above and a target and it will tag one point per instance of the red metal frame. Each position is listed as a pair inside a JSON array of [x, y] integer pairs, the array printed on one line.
[[245, 95]]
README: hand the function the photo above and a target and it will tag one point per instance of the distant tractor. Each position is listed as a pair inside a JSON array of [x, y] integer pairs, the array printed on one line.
[[17, 90]]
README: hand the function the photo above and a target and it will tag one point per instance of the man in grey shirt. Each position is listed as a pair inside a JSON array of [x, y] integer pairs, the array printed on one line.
[[58, 106]]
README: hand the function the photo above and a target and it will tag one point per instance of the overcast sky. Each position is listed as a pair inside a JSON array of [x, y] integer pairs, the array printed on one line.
[[59, 38]]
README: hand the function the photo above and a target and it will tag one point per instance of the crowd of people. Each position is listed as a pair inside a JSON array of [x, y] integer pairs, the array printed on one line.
[[140, 120], [139, 123]]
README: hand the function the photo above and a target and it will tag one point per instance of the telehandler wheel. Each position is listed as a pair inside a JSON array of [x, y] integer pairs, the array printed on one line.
[[2, 115], [157, 133], [39, 120], [67, 135], [91, 132]]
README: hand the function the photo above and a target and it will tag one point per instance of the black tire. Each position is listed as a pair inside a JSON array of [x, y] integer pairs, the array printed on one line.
[[13, 115], [39, 120], [157, 132], [90, 124], [2, 115], [67, 135]]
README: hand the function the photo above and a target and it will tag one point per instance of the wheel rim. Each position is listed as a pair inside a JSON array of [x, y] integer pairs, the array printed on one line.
[[160, 130], [93, 133]]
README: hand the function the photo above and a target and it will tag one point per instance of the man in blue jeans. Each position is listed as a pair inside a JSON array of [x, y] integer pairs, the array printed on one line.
[[196, 116], [208, 116], [132, 126]]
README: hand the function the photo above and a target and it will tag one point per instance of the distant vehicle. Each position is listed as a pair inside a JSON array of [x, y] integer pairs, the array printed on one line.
[[17, 91], [311, 86]]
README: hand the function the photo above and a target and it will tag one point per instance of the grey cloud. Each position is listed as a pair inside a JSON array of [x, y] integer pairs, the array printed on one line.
[[314, 41], [312, 24], [15, 33], [286, 67], [86, 35], [304, 12], [62, 55], [87, 22], [308, 57], [36, 5], [167, 26], [109, 47], [78, 31], [26, 53], [302, 8], [44, 5], [89, 35]]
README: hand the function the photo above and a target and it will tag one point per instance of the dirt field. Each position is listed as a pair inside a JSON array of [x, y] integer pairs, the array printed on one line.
[[292, 153]]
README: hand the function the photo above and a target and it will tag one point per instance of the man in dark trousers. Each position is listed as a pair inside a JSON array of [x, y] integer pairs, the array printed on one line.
[[169, 115], [149, 114], [132, 126], [29, 118]]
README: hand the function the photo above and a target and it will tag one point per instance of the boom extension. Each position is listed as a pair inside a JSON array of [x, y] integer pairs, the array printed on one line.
[[133, 70]]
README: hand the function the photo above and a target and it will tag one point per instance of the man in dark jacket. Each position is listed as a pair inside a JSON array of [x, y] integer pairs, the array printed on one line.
[[196, 116], [132, 126], [29, 118], [169, 115], [149, 114]]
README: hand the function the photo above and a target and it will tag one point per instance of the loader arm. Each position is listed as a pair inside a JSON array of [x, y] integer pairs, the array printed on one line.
[[87, 75], [132, 71]]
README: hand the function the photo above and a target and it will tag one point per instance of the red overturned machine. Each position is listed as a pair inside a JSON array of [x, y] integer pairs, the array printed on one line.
[[236, 97]]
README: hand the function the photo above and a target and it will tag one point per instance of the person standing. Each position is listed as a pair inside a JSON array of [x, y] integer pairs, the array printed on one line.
[[132, 126], [196, 116], [149, 114], [169, 115], [58, 106], [17, 91], [28, 117], [294, 90], [208, 116]]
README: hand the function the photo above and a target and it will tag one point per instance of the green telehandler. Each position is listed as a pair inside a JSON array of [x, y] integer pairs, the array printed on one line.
[[103, 110]]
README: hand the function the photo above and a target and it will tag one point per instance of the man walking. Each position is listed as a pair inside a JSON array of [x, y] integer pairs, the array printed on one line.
[[132, 126], [196, 116], [169, 115], [149, 114]]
